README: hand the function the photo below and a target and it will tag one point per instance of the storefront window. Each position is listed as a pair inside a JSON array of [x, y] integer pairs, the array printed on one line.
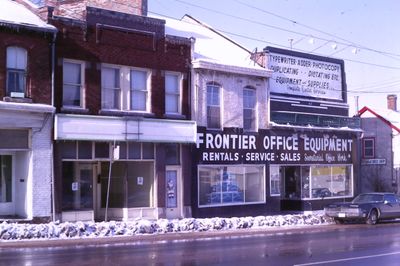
[[331, 181], [102, 150], [140, 184], [118, 173], [275, 180], [85, 150], [172, 154], [138, 187], [231, 185], [313, 182], [77, 191]]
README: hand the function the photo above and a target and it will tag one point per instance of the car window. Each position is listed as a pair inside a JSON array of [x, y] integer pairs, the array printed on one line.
[[362, 198], [390, 198], [397, 199]]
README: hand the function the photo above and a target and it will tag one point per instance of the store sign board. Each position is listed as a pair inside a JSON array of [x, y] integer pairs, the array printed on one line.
[[302, 76], [274, 146], [373, 161]]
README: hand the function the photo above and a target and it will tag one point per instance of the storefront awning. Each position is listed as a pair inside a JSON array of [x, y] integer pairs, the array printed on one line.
[[108, 128]]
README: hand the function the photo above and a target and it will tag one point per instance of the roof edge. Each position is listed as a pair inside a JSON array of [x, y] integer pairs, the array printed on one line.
[[232, 69]]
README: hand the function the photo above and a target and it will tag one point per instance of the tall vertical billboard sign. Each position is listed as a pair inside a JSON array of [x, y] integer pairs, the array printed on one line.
[[305, 75]]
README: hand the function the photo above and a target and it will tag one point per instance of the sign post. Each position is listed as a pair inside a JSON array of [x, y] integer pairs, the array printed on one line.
[[114, 156]]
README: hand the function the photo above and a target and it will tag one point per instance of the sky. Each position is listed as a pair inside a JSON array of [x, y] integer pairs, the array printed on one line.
[[363, 33]]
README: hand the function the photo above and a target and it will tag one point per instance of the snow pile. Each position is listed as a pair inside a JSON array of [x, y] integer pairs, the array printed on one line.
[[54, 230]]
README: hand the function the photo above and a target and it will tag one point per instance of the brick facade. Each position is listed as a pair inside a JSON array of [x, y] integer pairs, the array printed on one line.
[[38, 79], [31, 112], [125, 40]]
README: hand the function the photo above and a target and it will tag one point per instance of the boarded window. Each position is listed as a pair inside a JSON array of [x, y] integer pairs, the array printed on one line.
[[15, 139]]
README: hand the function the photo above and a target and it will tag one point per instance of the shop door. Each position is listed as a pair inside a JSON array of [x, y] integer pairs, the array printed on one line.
[[292, 182], [83, 186], [173, 193], [7, 186]]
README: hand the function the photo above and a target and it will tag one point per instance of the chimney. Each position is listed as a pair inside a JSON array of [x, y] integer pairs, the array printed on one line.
[[76, 8], [392, 102]]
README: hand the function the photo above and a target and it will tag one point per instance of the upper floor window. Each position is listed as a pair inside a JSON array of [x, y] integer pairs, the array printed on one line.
[[16, 71], [172, 93], [213, 106], [111, 89], [139, 90], [73, 80], [368, 147], [249, 108], [124, 88]]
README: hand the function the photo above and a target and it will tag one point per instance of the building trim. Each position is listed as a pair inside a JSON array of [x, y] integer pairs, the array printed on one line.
[[108, 128]]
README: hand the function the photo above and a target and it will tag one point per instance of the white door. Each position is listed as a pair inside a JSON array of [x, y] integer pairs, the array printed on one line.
[[173, 192], [7, 186]]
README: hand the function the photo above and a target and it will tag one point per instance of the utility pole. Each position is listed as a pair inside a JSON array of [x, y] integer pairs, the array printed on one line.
[[291, 43]]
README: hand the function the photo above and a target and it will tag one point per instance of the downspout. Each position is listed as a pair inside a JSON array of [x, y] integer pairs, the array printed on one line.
[[53, 60]]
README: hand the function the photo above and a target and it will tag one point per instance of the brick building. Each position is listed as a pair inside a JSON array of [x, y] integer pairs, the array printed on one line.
[[26, 113], [121, 84]]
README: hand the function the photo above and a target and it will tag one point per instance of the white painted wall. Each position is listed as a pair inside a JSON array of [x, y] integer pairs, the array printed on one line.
[[232, 97], [41, 171]]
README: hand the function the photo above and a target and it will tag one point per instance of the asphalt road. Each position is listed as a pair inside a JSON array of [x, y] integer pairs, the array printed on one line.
[[354, 244]]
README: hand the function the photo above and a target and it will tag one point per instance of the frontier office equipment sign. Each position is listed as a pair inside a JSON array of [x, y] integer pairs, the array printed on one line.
[[274, 146], [305, 76]]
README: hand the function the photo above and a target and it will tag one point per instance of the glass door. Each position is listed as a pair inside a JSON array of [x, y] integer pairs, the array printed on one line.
[[7, 204], [173, 192]]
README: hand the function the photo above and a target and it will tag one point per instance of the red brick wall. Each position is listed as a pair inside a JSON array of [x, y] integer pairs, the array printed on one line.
[[39, 62], [129, 47]]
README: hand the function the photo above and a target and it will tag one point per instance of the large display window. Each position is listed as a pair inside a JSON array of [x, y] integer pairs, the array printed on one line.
[[311, 182], [231, 185]]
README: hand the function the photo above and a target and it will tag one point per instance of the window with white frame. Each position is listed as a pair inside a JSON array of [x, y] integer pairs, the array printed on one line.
[[16, 71], [172, 93], [110, 88], [231, 185], [139, 90], [73, 80], [124, 88], [368, 147], [213, 106], [249, 108]]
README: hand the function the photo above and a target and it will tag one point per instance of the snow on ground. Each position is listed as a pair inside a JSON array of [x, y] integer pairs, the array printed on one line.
[[65, 230]]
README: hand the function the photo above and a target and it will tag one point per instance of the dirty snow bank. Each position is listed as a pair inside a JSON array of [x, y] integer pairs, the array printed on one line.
[[57, 230]]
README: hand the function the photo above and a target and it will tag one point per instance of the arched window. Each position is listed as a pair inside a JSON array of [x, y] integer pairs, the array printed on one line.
[[249, 108], [213, 105], [16, 71]]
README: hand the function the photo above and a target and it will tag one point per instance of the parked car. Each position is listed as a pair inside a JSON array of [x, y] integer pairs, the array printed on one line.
[[367, 207], [321, 193]]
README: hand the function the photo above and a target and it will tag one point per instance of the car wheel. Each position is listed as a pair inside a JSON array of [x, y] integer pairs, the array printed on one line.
[[339, 221], [372, 217]]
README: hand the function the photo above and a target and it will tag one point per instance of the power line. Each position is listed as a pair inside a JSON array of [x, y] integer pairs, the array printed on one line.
[[320, 31], [279, 45], [350, 60], [391, 55]]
